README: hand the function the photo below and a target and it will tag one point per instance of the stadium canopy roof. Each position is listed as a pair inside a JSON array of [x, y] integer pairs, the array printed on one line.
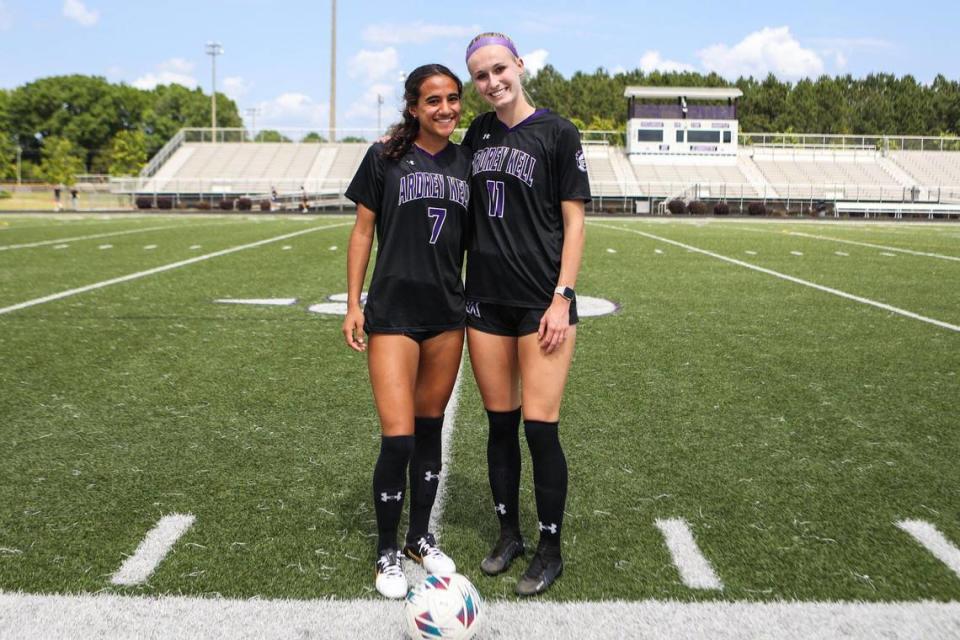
[[690, 93]]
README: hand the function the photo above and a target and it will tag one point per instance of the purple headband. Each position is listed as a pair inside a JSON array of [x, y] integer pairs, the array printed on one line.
[[488, 40]]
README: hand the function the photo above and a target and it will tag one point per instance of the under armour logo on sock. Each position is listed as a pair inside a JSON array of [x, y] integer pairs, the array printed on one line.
[[501, 509], [552, 528], [431, 476], [387, 497]]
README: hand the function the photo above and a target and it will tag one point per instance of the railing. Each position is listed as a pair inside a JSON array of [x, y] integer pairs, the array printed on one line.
[[163, 155], [841, 141]]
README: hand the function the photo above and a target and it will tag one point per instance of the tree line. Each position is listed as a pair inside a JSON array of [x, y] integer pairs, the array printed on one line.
[[74, 124]]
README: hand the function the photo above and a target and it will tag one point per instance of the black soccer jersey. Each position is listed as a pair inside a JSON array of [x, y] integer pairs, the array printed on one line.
[[519, 176], [421, 212]]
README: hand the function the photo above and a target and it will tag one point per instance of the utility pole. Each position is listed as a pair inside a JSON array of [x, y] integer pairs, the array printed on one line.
[[333, 71], [214, 49], [379, 105], [19, 153]]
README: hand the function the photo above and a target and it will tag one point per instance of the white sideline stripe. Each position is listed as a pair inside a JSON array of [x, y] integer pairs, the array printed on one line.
[[97, 235], [446, 439], [777, 274], [161, 269], [43, 617], [695, 570], [874, 246], [934, 542], [153, 549], [275, 302]]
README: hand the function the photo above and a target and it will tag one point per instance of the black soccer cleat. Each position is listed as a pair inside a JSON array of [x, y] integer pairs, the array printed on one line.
[[544, 569], [502, 555]]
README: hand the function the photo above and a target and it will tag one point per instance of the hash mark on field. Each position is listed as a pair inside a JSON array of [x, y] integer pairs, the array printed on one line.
[[96, 235], [287, 247], [61, 246], [154, 548], [750, 253], [796, 253], [841, 254], [934, 542], [695, 570], [105, 246], [658, 251], [611, 250], [875, 246], [149, 247], [885, 253], [195, 246]]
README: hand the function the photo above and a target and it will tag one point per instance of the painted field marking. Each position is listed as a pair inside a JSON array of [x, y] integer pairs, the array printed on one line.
[[148, 247], [153, 549], [94, 236], [934, 542], [888, 254], [273, 302], [695, 570], [196, 246], [61, 246], [874, 246], [796, 253], [105, 246], [161, 269], [750, 253], [658, 252], [841, 254], [783, 276], [286, 247], [36, 617]]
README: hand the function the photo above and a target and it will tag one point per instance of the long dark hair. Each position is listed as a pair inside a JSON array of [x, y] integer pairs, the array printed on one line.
[[403, 133]]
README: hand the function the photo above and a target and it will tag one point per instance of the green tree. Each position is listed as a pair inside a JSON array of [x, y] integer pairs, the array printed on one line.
[[128, 153], [271, 135], [313, 136], [61, 161]]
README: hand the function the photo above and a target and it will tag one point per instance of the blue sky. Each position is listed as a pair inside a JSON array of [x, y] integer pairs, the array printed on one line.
[[277, 53]]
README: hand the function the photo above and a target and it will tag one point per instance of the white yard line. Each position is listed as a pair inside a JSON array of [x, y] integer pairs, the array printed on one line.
[[874, 246], [91, 237], [695, 570], [777, 274], [153, 549], [934, 542], [161, 269], [44, 617], [446, 438]]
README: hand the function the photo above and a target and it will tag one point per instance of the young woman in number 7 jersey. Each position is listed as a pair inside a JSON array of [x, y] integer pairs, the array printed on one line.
[[529, 185], [411, 191]]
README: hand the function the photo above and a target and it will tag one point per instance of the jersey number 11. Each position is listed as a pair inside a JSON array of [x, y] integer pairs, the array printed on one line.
[[495, 191]]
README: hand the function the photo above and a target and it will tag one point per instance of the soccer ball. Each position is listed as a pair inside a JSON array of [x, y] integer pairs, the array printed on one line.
[[443, 607]]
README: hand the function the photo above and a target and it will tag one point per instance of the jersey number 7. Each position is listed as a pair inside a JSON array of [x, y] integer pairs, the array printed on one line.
[[438, 215]]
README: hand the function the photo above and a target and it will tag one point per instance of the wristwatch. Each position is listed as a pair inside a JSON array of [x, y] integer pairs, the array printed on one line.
[[565, 292]]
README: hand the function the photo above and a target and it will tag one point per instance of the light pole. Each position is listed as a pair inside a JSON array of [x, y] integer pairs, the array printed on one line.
[[214, 49], [333, 71], [19, 153], [253, 112], [379, 105]]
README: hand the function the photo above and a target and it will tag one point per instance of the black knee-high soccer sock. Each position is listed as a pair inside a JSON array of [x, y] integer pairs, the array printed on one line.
[[549, 478], [389, 484], [425, 465], [503, 468]]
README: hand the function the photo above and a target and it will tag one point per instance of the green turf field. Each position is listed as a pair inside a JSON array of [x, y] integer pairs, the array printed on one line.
[[791, 427]]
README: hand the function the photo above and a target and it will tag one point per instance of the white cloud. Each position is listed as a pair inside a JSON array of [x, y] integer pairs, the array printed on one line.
[[77, 11], [770, 50], [652, 61], [373, 66], [173, 71], [6, 16], [293, 110], [416, 33], [535, 60], [236, 87]]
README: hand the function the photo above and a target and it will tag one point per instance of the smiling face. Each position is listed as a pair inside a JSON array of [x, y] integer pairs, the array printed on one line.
[[438, 108], [496, 75]]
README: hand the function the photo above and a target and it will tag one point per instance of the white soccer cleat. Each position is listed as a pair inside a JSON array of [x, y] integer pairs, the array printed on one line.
[[391, 582], [426, 552]]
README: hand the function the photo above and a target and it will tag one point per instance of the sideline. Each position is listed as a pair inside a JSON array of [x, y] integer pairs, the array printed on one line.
[[783, 276], [161, 269]]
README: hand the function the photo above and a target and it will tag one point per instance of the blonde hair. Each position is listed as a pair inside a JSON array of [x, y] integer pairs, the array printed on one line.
[[502, 39]]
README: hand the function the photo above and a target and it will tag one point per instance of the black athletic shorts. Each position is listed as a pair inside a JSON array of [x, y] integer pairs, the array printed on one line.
[[506, 320], [416, 335]]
